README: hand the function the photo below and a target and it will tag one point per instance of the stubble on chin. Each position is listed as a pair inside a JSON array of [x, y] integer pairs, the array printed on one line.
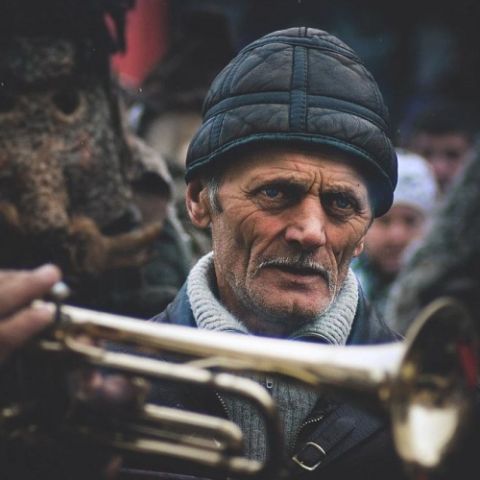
[[263, 314]]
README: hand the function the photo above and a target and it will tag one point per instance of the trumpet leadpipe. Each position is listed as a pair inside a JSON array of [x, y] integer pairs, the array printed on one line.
[[363, 367]]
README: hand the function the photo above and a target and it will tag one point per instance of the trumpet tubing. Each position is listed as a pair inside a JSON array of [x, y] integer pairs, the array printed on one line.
[[424, 383]]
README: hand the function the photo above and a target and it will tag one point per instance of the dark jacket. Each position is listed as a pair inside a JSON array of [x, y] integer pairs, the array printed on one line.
[[357, 443]]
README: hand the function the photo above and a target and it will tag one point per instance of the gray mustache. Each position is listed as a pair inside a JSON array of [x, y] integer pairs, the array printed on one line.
[[297, 263]]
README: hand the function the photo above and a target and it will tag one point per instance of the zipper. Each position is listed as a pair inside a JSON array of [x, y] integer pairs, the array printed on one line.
[[224, 407], [223, 404], [220, 398], [305, 424]]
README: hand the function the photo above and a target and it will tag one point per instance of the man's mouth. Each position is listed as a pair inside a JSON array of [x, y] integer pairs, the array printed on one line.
[[301, 268]]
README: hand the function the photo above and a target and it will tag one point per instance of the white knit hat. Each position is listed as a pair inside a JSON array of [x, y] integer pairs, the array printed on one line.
[[416, 185]]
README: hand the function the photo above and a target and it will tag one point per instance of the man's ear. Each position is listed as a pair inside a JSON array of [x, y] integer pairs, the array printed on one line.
[[198, 205], [359, 248]]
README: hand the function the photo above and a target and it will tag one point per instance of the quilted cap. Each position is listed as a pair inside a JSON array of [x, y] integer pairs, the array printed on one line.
[[300, 87]]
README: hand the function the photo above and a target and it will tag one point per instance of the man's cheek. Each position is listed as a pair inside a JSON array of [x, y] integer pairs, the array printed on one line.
[[343, 255], [245, 230]]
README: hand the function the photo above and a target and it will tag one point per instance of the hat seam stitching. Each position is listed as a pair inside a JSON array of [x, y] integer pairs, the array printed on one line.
[[215, 131], [336, 110], [229, 77], [298, 102], [332, 47], [375, 119]]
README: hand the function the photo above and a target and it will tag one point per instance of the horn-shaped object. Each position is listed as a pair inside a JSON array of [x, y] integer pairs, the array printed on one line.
[[425, 384]]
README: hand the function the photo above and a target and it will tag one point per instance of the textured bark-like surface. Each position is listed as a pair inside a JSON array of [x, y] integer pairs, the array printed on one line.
[[65, 191]]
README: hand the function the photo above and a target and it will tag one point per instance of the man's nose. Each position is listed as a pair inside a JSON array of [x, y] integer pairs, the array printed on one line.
[[307, 224]]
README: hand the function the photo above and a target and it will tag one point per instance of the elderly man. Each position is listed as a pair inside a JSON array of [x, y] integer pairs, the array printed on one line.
[[289, 168]]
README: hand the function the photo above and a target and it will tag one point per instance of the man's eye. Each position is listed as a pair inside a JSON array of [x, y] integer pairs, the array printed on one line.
[[276, 196], [271, 192], [340, 202]]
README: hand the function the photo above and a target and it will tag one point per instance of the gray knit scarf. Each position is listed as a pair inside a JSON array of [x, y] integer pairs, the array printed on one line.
[[294, 402]]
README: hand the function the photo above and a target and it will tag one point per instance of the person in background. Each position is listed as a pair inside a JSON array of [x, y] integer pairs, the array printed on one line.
[[444, 136], [170, 254], [392, 237]]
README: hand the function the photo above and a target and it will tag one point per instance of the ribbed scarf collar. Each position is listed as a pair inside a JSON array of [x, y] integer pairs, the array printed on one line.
[[333, 325]]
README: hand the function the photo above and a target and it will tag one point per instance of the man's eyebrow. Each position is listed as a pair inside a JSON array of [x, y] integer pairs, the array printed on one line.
[[347, 189], [287, 184], [281, 178], [293, 182], [341, 187], [267, 180]]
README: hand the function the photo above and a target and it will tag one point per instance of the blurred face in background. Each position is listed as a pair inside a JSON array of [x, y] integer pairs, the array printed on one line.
[[390, 235], [447, 154]]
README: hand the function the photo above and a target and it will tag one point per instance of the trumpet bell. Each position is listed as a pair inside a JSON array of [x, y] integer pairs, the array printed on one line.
[[432, 396]]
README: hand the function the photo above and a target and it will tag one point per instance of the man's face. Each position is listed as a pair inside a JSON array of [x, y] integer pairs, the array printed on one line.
[[391, 234], [289, 226], [447, 154]]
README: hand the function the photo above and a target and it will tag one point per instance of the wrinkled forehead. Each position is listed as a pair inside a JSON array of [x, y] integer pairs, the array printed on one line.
[[328, 161]]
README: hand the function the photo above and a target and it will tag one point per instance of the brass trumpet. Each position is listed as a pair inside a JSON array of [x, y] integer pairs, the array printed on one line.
[[425, 384]]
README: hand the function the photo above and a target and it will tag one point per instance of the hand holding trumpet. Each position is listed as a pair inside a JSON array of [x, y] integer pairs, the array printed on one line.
[[18, 320]]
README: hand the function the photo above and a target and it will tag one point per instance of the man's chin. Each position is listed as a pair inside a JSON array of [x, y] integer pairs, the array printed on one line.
[[293, 312]]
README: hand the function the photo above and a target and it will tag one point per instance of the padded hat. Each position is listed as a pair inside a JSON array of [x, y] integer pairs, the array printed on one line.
[[301, 87]]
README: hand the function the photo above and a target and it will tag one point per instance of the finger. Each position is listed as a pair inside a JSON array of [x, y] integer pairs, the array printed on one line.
[[19, 328], [19, 288]]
